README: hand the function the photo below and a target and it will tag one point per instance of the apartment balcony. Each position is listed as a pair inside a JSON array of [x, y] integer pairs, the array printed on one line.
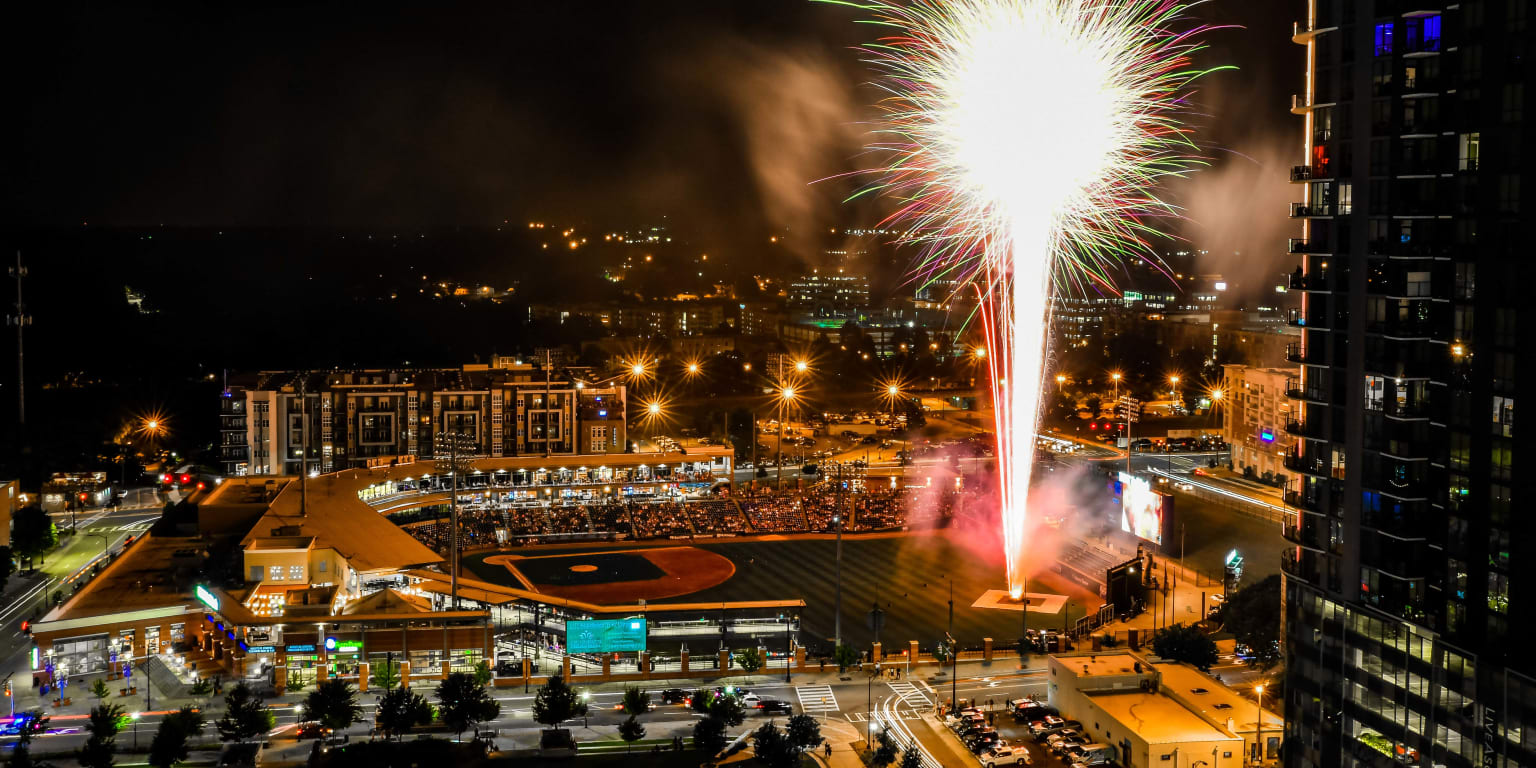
[[1301, 173], [1294, 392], [1301, 500], [1304, 245], [1314, 211], [1303, 356], [1304, 430], [1423, 84], [1314, 319], [1307, 465], [1422, 126]]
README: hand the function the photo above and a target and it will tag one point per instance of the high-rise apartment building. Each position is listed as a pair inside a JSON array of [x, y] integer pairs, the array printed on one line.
[[1405, 608], [333, 420]]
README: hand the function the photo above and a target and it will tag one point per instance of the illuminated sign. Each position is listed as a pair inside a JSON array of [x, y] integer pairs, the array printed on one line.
[[330, 643], [261, 649], [303, 648], [348, 646], [1142, 510], [206, 597], [34, 658], [605, 635], [1267, 435]]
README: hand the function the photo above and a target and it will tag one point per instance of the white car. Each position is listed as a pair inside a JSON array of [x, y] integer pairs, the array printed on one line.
[[1004, 756], [751, 701]]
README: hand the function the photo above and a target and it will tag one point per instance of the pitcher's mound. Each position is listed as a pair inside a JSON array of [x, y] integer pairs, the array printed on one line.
[[619, 576]]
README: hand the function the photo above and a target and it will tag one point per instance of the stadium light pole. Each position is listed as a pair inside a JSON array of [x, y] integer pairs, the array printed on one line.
[[786, 396]]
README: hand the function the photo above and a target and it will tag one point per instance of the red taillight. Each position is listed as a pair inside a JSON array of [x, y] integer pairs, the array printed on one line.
[[186, 479], [165, 478], [201, 485]]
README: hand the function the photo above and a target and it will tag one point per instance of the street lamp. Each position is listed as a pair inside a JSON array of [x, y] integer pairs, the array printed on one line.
[[1258, 735], [801, 366], [1061, 379]]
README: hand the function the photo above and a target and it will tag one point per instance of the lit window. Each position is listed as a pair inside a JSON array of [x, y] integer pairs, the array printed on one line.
[[275, 573], [296, 573]]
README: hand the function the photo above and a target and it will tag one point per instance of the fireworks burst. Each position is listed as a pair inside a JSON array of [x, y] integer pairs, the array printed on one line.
[[1026, 140]]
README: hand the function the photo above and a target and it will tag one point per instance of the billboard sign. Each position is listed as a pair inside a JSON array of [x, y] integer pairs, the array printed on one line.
[[1143, 511], [605, 635]]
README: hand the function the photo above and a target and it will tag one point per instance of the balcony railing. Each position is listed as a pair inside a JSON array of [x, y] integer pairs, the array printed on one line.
[[1306, 464], [1310, 172], [1301, 429], [1303, 245], [1312, 210]]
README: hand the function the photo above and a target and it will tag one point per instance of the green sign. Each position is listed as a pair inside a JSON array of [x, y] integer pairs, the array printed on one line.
[[206, 597], [349, 646], [605, 635]]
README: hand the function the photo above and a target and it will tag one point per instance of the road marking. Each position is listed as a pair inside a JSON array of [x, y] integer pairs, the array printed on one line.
[[817, 699], [911, 695]]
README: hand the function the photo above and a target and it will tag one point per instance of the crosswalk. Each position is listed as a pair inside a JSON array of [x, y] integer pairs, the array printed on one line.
[[911, 695], [816, 699], [900, 714]]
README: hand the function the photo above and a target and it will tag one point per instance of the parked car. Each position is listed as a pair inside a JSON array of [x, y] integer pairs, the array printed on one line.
[[1059, 742], [1001, 755], [1046, 726], [985, 741]]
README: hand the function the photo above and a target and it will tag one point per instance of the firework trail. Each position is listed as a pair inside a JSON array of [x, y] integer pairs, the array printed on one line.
[[1025, 141]]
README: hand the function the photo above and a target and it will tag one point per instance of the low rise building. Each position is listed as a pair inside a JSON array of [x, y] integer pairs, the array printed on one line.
[[1159, 713]]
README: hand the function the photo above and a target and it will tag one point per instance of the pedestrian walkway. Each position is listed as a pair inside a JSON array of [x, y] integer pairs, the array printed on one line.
[[911, 695], [817, 699]]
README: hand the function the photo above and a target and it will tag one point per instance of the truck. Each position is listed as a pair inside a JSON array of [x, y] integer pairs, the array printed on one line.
[[1089, 755]]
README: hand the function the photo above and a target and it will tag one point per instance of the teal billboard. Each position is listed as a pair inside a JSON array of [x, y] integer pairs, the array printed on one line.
[[605, 635]]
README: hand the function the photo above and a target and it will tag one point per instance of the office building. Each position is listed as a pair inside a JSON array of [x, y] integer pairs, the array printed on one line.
[[1405, 605]]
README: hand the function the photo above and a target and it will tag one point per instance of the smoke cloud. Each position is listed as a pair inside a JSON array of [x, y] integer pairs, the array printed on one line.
[[797, 114]]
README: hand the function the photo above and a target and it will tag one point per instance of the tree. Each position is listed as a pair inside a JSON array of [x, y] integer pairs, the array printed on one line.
[[636, 701], [170, 744], [99, 689], [1095, 405], [483, 673], [555, 702], [750, 660], [1184, 642], [709, 735], [32, 533], [1252, 615], [885, 753], [729, 709], [102, 724], [245, 716], [912, 759], [400, 710], [386, 675], [334, 705], [773, 748], [804, 732], [464, 703], [845, 656], [701, 699], [631, 731], [29, 724]]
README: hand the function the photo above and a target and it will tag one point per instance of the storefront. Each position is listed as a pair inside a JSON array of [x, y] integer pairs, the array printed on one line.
[[303, 663]]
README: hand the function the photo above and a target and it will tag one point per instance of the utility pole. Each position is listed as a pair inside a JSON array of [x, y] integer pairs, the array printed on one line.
[[458, 463], [21, 320]]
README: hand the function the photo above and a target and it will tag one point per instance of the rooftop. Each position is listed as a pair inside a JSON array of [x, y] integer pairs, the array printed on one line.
[[139, 579], [1158, 719], [281, 543], [1216, 701], [1097, 664]]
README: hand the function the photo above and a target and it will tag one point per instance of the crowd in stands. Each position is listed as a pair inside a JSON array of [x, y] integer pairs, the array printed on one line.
[[491, 526]]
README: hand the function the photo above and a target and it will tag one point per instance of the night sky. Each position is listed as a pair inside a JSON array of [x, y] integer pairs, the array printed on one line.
[[715, 113]]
